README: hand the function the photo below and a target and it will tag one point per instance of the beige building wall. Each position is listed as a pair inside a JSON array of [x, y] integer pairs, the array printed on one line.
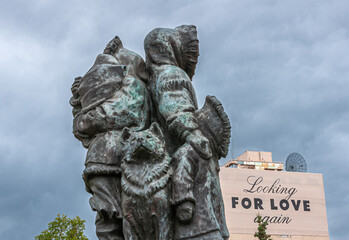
[[277, 237], [255, 156], [305, 209]]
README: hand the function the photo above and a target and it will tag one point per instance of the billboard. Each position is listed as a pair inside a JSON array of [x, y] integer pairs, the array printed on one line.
[[292, 203]]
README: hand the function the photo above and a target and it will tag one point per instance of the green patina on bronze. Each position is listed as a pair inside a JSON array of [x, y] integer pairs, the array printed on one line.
[[152, 161]]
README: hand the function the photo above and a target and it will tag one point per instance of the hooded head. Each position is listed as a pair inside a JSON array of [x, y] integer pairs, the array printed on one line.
[[178, 47], [113, 45]]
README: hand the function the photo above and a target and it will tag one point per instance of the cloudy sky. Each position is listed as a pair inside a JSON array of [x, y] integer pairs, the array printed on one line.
[[279, 67]]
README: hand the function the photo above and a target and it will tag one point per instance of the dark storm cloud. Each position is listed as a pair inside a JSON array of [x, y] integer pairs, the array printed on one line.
[[279, 67]]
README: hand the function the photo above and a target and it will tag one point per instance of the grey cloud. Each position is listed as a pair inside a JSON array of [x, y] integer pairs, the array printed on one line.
[[279, 67]]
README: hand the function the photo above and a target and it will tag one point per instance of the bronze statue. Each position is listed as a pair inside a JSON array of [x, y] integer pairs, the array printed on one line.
[[111, 96], [196, 192], [146, 175], [152, 161]]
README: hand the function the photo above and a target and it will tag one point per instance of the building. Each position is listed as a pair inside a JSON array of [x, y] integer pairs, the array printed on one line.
[[293, 203], [255, 160]]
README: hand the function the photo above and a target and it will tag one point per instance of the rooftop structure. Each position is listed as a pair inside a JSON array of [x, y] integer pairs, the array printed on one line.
[[255, 160]]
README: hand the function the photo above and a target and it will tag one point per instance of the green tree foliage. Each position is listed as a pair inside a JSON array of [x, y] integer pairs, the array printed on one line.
[[64, 228], [262, 226]]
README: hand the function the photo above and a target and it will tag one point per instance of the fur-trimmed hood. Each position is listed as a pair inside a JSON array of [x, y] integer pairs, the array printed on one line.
[[178, 47]]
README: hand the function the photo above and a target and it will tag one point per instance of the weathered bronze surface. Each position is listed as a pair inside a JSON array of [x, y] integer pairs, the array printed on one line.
[[152, 161]]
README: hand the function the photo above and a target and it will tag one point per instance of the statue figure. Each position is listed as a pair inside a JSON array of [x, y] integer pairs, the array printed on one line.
[[196, 180], [152, 161], [110, 96], [145, 182], [171, 56]]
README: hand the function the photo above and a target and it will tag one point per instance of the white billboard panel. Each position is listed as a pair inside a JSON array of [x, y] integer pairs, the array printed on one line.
[[292, 203]]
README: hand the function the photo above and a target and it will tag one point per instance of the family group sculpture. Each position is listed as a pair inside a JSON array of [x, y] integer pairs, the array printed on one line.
[[152, 161]]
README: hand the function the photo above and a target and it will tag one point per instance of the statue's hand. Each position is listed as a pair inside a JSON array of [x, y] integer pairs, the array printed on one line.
[[79, 126], [200, 143], [185, 212]]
